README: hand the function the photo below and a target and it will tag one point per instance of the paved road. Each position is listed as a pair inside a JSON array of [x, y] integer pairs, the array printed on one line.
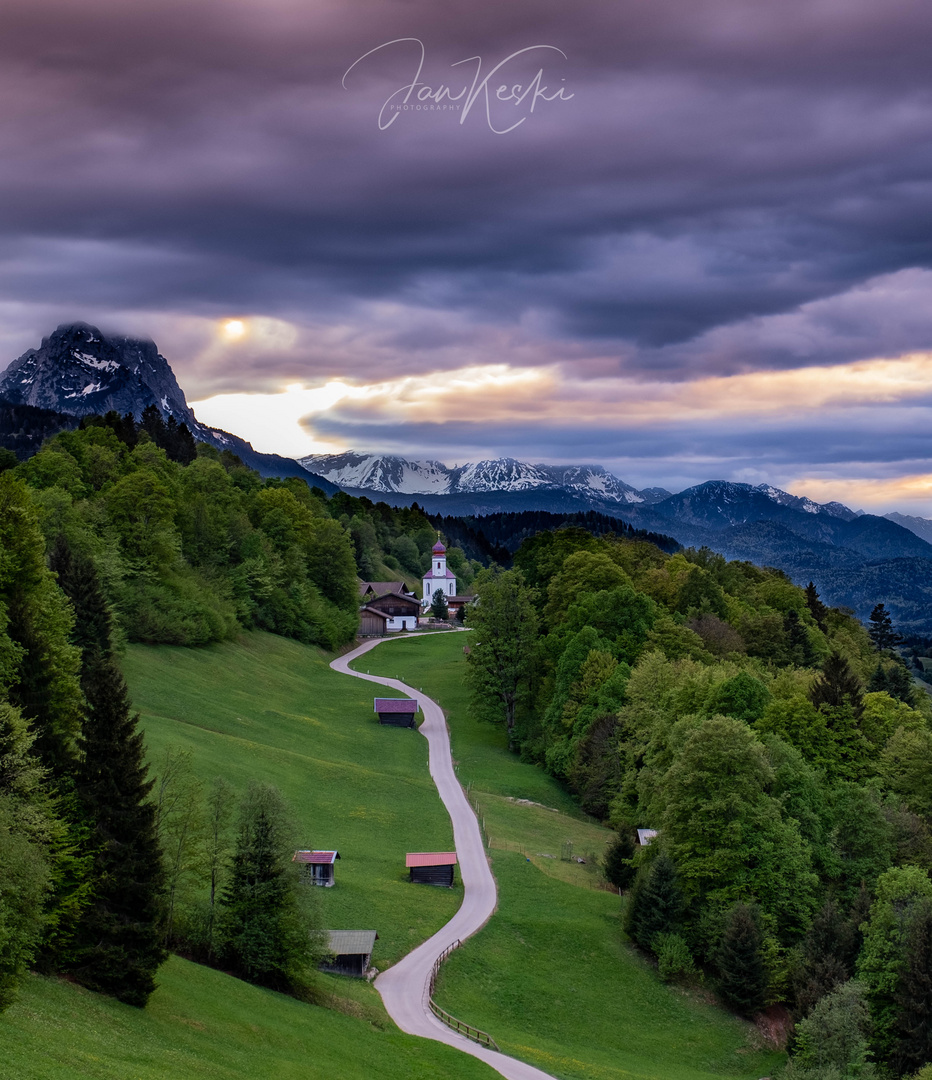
[[404, 986]]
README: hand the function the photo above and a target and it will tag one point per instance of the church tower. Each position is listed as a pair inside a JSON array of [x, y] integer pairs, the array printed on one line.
[[438, 576]]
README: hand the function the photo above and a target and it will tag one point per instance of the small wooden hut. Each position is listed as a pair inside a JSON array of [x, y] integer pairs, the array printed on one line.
[[431, 867], [350, 952], [399, 712], [316, 866], [372, 623], [645, 836]]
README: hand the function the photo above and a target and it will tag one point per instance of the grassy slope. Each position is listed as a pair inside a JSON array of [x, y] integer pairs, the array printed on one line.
[[203, 1025], [551, 977], [269, 708]]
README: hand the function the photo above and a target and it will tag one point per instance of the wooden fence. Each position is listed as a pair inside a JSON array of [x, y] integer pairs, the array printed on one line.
[[473, 1033]]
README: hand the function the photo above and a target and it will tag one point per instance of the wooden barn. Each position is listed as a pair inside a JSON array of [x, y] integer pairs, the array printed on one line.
[[431, 867], [350, 952], [372, 622], [399, 712], [316, 866]]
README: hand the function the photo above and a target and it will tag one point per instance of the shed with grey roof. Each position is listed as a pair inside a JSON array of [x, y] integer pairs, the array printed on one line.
[[350, 952]]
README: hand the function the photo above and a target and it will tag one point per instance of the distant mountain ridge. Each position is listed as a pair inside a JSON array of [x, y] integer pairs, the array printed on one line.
[[395, 475], [78, 371], [856, 559]]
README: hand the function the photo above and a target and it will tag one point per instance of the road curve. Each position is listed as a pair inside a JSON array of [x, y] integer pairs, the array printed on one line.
[[404, 987]]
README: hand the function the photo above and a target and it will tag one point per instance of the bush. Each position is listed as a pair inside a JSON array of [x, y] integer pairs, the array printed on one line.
[[674, 959]]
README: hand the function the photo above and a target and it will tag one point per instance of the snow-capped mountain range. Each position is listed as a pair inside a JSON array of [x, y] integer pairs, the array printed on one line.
[[373, 472]]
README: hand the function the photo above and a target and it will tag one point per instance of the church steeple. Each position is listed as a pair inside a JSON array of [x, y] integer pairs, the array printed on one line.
[[438, 577]]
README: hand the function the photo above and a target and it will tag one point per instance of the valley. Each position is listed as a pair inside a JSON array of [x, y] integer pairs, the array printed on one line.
[[271, 708]]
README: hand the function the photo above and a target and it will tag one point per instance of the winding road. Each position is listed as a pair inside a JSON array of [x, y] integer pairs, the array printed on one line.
[[404, 987]]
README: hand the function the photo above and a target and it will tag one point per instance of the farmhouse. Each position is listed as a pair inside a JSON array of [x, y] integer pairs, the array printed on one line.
[[431, 867], [316, 866], [350, 952], [391, 599], [438, 576], [398, 712]]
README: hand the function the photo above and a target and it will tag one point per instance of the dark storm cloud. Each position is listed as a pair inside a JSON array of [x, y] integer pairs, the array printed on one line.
[[721, 166]]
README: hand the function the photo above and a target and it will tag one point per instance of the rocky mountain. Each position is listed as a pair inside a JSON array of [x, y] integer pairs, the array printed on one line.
[[78, 371], [920, 526], [369, 473]]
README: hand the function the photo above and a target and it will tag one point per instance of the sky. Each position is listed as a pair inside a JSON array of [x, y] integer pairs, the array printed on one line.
[[685, 241]]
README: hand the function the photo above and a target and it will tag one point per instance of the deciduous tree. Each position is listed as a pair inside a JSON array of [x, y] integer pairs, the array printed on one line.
[[503, 647]]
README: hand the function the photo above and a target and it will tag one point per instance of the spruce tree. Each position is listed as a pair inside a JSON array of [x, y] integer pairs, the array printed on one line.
[[913, 996], [892, 677], [438, 606], [817, 609], [266, 933], [118, 941], [93, 626], [880, 628], [829, 952], [659, 907], [617, 866], [798, 644], [739, 958], [838, 685]]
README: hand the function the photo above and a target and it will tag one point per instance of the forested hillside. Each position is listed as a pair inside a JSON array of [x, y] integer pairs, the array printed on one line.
[[778, 748], [121, 530]]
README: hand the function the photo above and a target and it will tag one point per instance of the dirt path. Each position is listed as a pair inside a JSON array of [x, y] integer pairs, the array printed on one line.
[[404, 986]]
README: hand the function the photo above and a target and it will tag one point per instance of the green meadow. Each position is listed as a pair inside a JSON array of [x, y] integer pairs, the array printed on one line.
[[203, 1025], [552, 977], [271, 709]]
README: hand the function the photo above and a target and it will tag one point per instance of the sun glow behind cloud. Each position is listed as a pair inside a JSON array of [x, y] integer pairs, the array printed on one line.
[[502, 399]]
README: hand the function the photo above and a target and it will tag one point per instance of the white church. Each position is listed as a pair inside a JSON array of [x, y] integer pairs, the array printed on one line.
[[438, 576]]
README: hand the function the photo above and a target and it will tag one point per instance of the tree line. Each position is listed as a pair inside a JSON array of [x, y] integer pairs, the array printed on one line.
[[780, 750], [90, 848]]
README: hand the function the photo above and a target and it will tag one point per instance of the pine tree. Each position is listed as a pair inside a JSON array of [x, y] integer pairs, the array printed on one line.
[[617, 866], [893, 678], [659, 907], [817, 609], [798, 643], [829, 952], [153, 423], [438, 606], [837, 686], [265, 936], [77, 578], [913, 996], [880, 628], [739, 958], [118, 941]]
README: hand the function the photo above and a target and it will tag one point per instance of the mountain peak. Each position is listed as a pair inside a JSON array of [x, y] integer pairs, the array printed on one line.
[[81, 371]]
